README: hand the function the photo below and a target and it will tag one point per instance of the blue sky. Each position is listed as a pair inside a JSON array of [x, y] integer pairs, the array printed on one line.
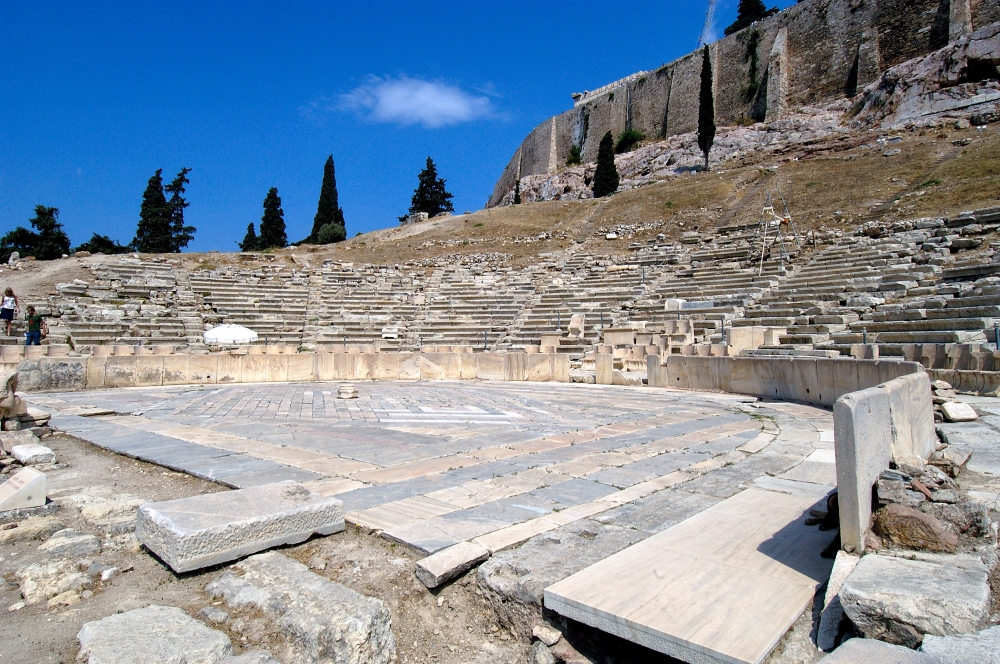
[[95, 96]]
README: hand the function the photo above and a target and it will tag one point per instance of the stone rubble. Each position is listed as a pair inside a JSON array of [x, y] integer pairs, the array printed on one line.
[[321, 620]]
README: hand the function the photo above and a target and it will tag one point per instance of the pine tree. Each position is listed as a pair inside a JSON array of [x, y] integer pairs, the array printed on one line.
[[52, 239], [180, 235], [706, 107], [606, 174], [49, 242], [430, 196], [328, 211], [272, 224], [153, 234], [250, 241], [748, 12]]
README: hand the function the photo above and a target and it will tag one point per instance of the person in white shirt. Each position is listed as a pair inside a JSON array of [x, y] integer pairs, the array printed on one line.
[[9, 306]]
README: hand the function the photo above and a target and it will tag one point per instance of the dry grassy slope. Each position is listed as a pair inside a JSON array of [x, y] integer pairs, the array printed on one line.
[[930, 177]]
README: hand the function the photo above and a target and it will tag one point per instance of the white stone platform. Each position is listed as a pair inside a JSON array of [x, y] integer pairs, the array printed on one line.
[[722, 586]]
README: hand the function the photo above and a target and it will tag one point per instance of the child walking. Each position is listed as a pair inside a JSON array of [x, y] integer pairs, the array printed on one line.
[[35, 327]]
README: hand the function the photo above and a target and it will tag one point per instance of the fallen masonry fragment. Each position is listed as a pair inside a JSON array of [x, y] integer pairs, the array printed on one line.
[[899, 600], [449, 563], [191, 533], [871, 651], [162, 634], [322, 621]]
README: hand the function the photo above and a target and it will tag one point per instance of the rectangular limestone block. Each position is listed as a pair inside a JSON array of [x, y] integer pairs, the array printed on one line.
[[26, 488], [191, 533], [862, 432], [449, 563]]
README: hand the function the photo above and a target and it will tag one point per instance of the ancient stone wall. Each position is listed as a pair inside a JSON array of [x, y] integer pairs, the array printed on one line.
[[823, 49]]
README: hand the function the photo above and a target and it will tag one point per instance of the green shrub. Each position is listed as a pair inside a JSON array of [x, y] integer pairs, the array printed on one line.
[[628, 139], [575, 155], [330, 233]]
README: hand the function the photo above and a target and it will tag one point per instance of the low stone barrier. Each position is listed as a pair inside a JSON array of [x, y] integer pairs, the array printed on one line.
[[77, 373], [819, 381], [882, 410]]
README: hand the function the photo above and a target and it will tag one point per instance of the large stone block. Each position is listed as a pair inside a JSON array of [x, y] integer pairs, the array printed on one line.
[[162, 634], [176, 369], [489, 366], [514, 367], [862, 429], [300, 367], [33, 454], [205, 368], [48, 373], [119, 371], [322, 621], [191, 533], [229, 370], [900, 600], [149, 370], [605, 368]]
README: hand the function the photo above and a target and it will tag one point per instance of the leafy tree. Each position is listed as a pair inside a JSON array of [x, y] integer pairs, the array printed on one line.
[[328, 211], [430, 196], [102, 244], [749, 12], [331, 233], [606, 175], [46, 242], [250, 241], [152, 235], [706, 107], [575, 155], [180, 235], [517, 193], [272, 224]]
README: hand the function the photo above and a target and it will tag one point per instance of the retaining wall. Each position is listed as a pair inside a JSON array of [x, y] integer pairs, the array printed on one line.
[[78, 373], [831, 49]]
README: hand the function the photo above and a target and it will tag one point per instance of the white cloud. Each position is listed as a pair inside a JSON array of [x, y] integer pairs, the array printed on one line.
[[410, 101]]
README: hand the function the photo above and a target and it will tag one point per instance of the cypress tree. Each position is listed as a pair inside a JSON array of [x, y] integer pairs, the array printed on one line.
[[180, 235], [706, 107], [606, 174], [272, 224], [748, 12], [430, 196], [328, 210], [517, 193], [250, 241], [153, 233]]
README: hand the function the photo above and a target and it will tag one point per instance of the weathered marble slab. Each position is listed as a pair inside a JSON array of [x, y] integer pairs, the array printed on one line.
[[191, 533]]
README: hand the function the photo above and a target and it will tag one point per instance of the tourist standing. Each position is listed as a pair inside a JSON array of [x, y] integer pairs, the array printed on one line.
[[35, 327], [8, 307]]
